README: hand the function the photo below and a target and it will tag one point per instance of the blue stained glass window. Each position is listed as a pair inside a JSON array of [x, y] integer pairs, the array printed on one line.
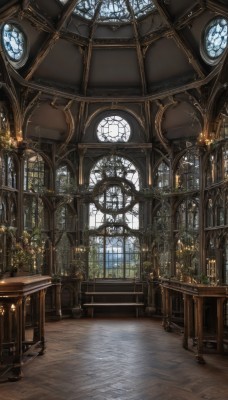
[[216, 37], [14, 42]]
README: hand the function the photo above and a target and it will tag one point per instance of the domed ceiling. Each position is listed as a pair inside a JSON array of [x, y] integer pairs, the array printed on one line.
[[104, 53]]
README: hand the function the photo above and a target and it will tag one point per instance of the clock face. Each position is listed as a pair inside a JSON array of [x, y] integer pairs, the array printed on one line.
[[216, 37]]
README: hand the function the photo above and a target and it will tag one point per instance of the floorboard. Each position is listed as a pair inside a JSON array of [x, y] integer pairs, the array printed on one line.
[[125, 359]]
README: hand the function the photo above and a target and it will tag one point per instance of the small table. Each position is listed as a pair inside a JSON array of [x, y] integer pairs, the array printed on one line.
[[22, 318]]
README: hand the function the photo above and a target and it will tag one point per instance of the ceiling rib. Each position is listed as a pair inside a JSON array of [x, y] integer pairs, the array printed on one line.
[[180, 40], [67, 10], [120, 99], [217, 7], [138, 49], [88, 55]]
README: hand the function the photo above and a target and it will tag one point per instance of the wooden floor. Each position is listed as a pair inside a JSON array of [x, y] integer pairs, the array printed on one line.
[[125, 359]]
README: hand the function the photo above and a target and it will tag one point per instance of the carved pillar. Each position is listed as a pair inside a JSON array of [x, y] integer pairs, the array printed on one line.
[[17, 363], [167, 308], [186, 320], [42, 318], [199, 328], [151, 308], [76, 310], [220, 324], [58, 307]]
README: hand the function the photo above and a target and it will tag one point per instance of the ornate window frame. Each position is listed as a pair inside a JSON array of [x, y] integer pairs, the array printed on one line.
[[25, 43], [206, 40]]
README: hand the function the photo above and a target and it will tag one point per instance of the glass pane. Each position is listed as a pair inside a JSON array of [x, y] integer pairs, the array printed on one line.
[[216, 36], [13, 42], [113, 129]]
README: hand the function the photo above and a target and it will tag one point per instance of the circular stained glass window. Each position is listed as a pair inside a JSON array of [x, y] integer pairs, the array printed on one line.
[[113, 129], [15, 44], [215, 40]]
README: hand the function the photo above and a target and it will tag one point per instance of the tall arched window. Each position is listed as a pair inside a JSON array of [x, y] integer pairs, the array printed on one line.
[[64, 180], [114, 219], [187, 249], [162, 174], [187, 172], [35, 178]]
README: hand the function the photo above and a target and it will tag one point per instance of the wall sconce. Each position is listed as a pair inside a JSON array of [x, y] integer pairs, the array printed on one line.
[[79, 249], [13, 308], [144, 248], [2, 311]]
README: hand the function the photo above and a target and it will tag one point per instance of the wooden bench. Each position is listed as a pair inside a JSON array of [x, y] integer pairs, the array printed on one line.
[[107, 304]]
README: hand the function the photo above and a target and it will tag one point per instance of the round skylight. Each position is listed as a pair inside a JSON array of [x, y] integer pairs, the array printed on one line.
[[113, 129], [112, 10], [14, 44], [215, 40]]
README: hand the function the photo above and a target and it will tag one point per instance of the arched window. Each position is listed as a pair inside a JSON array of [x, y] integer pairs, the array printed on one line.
[[8, 171], [63, 255], [187, 249], [113, 129], [162, 175], [64, 180], [219, 210], [114, 219], [225, 160], [35, 213], [35, 178], [188, 216], [187, 172], [211, 169], [209, 213], [65, 219]]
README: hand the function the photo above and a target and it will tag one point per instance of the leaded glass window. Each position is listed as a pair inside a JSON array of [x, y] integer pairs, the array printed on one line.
[[35, 213], [187, 173], [113, 256], [162, 175], [220, 212], [64, 180], [113, 129], [64, 218], [225, 160], [188, 216], [8, 171], [114, 167], [14, 43], [209, 213], [63, 255], [112, 10], [114, 215], [34, 172], [215, 39]]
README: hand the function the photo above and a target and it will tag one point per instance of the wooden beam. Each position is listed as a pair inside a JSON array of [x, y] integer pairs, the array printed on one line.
[[67, 10], [180, 40], [69, 95]]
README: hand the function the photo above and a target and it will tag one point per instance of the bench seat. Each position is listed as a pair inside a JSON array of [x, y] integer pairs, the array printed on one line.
[[93, 305]]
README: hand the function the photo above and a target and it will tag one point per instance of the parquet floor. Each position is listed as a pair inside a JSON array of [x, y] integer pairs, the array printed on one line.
[[124, 359]]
